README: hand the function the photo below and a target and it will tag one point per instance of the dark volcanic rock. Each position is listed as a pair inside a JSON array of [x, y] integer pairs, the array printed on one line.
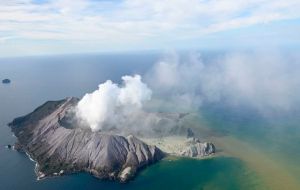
[[18, 147], [5, 81], [190, 133], [57, 149]]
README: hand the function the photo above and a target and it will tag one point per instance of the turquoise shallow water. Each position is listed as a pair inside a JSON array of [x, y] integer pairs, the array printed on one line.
[[36, 80], [217, 173]]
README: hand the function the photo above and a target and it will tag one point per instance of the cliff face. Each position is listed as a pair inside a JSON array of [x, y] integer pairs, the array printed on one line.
[[57, 149]]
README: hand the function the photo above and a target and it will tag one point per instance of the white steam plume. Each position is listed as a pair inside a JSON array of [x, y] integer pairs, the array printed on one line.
[[267, 80], [110, 103]]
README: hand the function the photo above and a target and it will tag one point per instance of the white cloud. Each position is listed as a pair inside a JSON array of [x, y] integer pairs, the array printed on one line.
[[134, 21]]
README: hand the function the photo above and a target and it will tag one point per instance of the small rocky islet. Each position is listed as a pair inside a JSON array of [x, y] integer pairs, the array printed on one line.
[[6, 81], [59, 150]]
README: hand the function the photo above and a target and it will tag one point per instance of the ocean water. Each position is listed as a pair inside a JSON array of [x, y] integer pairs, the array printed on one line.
[[258, 154]]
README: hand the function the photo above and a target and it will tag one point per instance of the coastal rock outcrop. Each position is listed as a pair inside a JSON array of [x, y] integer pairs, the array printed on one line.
[[195, 148], [57, 149]]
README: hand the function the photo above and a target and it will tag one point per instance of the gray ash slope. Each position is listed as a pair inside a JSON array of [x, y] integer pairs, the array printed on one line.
[[57, 149]]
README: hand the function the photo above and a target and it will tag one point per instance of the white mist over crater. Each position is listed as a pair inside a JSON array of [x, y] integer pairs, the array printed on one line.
[[111, 102]]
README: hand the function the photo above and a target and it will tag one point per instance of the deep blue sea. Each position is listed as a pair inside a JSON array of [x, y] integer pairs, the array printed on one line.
[[256, 156]]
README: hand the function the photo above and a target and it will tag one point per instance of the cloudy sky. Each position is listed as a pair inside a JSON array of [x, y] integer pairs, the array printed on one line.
[[35, 27]]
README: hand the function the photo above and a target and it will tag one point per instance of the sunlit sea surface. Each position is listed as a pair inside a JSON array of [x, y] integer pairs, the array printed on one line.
[[253, 152]]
